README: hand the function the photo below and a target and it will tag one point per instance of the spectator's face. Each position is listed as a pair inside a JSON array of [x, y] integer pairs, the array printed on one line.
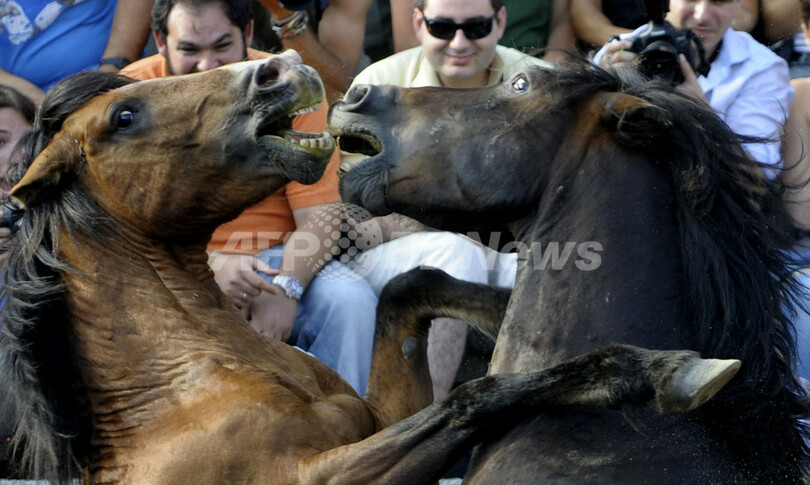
[[709, 19], [460, 61], [202, 38], [12, 127]]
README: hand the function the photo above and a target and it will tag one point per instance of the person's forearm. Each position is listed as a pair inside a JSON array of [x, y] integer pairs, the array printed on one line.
[[402, 25], [561, 34], [335, 74], [27, 88], [305, 254], [591, 25], [130, 29], [781, 18]]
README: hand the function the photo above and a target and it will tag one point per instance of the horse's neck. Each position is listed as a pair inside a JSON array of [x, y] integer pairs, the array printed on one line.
[[618, 275], [136, 307], [125, 282]]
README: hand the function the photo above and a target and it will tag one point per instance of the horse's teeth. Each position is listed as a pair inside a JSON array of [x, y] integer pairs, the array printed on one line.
[[306, 110], [324, 141]]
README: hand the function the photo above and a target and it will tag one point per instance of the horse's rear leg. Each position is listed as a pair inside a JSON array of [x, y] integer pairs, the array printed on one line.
[[400, 383], [421, 447]]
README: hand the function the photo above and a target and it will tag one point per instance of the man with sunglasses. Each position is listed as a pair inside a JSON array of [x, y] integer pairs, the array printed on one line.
[[459, 48]]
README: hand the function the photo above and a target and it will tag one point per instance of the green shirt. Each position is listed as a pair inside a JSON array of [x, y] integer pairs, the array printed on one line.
[[527, 24]]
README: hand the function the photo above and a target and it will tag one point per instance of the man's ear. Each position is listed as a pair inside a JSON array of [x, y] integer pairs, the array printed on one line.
[[633, 120], [160, 43], [248, 34], [501, 22], [46, 175], [417, 24]]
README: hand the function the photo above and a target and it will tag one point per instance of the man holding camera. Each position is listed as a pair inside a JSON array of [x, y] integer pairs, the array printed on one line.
[[747, 85]]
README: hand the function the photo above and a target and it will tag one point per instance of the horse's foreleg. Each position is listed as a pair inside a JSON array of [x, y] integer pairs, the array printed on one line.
[[400, 382], [420, 448]]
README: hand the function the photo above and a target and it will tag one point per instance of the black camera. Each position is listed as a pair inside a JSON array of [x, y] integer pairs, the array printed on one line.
[[658, 46]]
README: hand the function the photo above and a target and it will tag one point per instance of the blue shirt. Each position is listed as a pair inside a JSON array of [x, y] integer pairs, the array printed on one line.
[[44, 41], [749, 88]]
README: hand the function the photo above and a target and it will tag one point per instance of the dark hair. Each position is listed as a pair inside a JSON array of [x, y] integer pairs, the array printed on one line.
[[238, 12], [805, 11], [420, 4], [11, 98]]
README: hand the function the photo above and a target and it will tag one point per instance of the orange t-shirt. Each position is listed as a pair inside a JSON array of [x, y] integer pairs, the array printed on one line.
[[267, 223]]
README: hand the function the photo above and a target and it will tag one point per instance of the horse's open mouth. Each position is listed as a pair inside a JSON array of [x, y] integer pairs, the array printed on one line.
[[320, 145], [362, 143]]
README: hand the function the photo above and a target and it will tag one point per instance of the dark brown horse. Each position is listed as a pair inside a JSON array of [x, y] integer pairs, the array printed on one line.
[[125, 362], [670, 247]]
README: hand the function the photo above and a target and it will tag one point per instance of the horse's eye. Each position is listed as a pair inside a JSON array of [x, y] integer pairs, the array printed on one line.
[[125, 118], [520, 84]]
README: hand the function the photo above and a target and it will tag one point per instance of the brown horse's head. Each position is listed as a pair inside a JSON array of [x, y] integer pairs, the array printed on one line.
[[178, 156]]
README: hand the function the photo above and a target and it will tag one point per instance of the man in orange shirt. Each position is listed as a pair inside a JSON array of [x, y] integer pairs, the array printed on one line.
[[288, 303]]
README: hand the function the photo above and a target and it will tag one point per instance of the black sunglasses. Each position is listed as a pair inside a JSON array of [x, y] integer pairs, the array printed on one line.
[[475, 28]]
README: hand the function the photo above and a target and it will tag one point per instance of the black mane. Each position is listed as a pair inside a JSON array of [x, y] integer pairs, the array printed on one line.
[[738, 272], [36, 347]]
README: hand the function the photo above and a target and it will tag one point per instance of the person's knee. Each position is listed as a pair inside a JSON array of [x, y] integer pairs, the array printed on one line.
[[453, 253]]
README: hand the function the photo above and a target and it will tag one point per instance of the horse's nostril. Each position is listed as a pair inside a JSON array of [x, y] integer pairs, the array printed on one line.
[[356, 94], [268, 74]]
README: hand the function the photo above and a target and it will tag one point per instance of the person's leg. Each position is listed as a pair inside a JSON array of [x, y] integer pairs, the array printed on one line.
[[335, 321], [456, 255], [802, 326]]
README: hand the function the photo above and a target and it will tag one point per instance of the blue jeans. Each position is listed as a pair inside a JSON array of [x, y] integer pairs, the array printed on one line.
[[335, 322]]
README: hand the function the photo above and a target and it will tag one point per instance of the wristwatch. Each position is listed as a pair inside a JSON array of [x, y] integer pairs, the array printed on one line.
[[291, 286], [119, 62]]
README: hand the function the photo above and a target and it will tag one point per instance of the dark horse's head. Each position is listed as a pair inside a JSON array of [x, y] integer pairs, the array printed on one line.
[[167, 160], [469, 159]]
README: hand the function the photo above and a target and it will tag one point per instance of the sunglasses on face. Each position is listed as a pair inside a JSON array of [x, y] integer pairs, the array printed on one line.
[[475, 28]]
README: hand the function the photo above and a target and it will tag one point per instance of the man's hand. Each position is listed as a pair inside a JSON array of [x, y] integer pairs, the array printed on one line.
[[617, 55], [236, 276], [690, 83], [273, 314]]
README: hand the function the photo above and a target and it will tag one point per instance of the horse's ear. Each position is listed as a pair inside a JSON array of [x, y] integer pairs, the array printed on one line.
[[633, 120], [46, 173]]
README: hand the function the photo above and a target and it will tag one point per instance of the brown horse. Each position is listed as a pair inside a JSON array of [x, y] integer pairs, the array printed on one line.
[[127, 364], [669, 245]]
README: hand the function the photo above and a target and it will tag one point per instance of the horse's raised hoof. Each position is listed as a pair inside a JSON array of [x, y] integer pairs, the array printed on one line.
[[695, 382]]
